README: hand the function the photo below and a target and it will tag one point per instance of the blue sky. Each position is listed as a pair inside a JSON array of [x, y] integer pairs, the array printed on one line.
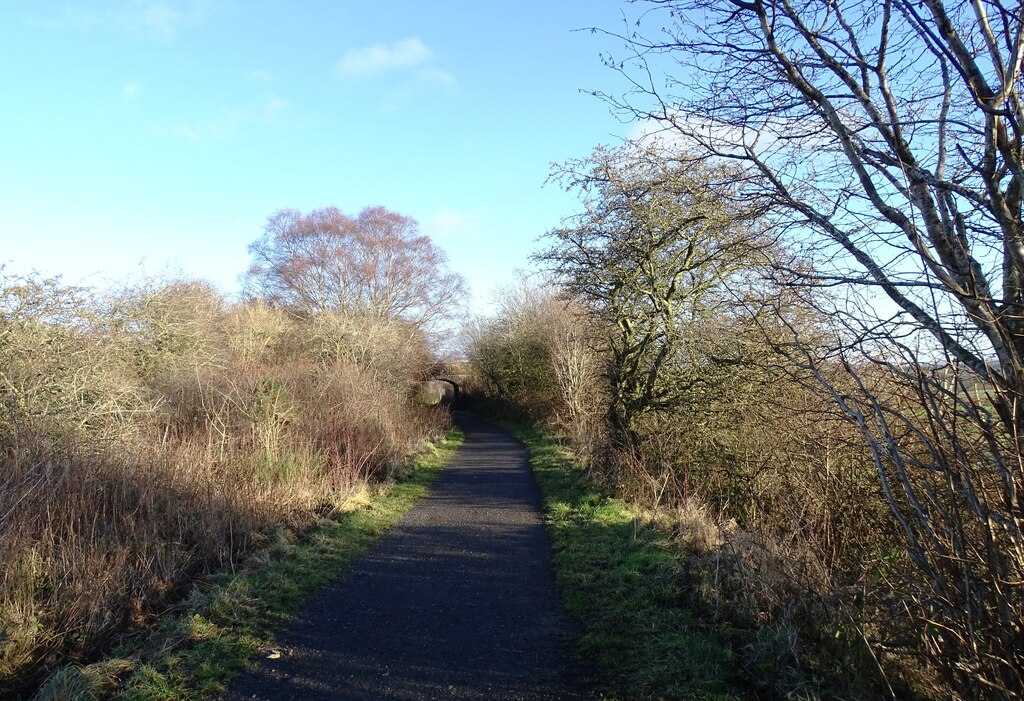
[[156, 136]]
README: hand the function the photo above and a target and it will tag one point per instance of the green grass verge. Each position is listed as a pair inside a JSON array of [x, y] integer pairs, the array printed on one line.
[[231, 618], [622, 581]]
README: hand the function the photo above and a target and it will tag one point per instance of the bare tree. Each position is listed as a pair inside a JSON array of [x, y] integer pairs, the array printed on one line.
[[892, 128], [887, 136], [376, 263]]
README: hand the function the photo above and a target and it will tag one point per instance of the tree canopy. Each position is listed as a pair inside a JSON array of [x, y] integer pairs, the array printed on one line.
[[375, 263], [651, 253]]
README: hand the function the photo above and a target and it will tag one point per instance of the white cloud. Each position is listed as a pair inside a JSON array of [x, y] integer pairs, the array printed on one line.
[[227, 125], [447, 221], [687, 132], [154, 19], [187, 132], [71, 17], [381, 58], [410, 65], [125, 104], [260, 76], [435, 77], [453, 228], [401, 96], [273, 108]]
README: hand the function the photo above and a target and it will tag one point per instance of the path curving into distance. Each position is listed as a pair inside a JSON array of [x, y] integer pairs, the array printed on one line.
[[456, 602]]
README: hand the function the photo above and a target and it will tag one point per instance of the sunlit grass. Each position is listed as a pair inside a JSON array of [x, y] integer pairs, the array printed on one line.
[[620, 579]]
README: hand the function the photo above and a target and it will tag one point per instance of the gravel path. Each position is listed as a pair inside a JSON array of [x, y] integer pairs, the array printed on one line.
[[456, 602]]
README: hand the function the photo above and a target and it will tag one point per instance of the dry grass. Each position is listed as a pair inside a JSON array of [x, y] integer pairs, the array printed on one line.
[[149, 437], [777, 501]]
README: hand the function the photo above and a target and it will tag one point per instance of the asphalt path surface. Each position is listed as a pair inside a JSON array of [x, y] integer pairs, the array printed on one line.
[[456, 602]]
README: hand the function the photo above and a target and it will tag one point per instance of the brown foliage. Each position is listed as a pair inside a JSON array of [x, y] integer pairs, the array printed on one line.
[[153, 435], [376, 263]]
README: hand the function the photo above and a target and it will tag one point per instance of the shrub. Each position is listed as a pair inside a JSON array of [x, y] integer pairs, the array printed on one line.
[[151, 435]]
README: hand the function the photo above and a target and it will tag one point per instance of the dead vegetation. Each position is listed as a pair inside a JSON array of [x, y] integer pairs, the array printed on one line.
[[763, 478], [151, 435]]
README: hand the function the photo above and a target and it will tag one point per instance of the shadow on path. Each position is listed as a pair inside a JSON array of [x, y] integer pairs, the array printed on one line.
[[456, 602]]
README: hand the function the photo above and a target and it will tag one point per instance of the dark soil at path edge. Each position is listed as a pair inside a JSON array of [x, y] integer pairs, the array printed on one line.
[[456, 602]]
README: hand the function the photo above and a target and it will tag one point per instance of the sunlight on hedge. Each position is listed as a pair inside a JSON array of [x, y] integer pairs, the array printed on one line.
[[157, 433]]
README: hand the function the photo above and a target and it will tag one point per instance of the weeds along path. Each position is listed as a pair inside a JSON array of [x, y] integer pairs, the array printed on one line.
[[456, 602]]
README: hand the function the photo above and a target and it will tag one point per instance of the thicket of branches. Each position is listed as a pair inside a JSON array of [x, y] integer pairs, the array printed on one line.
[[787, 319], [153, 434], [857, 411], [886, 138], [659, 352]]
